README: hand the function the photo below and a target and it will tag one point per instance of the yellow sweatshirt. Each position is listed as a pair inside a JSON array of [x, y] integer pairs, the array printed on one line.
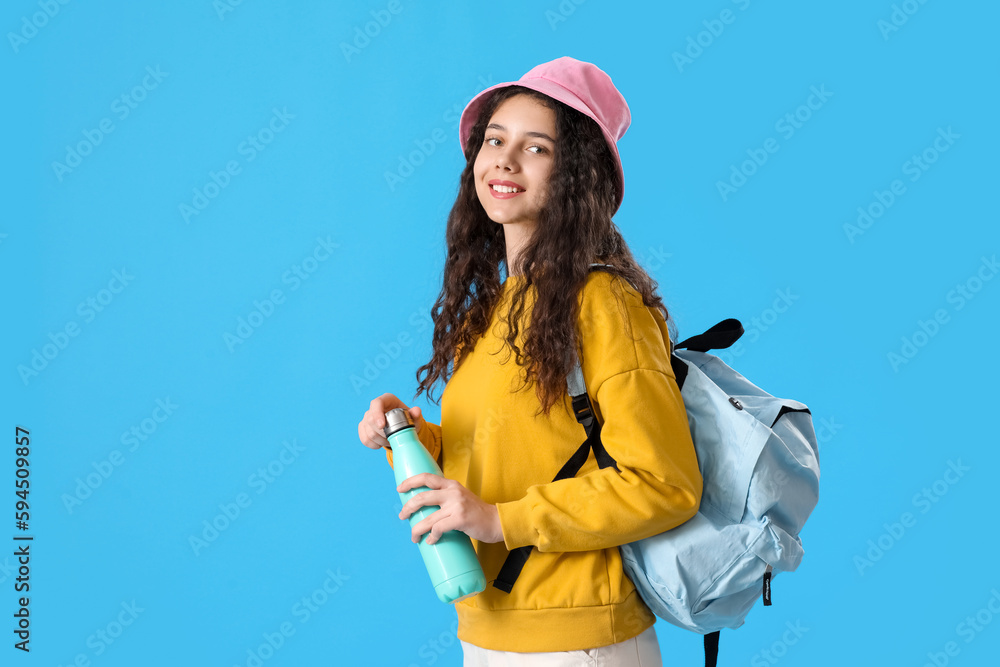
[[573, 593]]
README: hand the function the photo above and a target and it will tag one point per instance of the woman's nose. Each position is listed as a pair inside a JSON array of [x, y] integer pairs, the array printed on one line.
[[506, 159]]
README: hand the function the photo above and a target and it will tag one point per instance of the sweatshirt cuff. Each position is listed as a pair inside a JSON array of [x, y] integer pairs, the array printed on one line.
[[515, 524], [431, 439]]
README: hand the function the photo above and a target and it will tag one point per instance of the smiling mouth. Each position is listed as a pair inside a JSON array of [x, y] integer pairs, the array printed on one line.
[[504, 189]]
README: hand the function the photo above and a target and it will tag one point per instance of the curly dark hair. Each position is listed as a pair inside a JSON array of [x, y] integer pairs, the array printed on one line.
[[574, 229]]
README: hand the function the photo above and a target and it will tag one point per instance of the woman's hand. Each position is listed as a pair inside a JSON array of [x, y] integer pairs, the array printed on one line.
[[370, 427], [461, 509]]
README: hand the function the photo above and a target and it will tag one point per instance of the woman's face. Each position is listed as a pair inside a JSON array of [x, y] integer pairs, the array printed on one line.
[[515, 162]]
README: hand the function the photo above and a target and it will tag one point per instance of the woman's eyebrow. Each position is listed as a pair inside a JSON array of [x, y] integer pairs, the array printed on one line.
[[542, 135]]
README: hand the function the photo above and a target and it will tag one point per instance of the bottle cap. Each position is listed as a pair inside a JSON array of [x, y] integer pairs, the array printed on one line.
[[396, 420]]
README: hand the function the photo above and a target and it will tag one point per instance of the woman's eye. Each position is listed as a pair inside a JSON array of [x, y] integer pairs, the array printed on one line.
[[496, 141]]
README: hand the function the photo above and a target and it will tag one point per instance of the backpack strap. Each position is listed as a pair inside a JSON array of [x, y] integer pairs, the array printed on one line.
[[584, 412], [719, 337], [711, 649]]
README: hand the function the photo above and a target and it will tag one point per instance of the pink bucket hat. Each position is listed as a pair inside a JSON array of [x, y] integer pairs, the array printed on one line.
[[580, 85]]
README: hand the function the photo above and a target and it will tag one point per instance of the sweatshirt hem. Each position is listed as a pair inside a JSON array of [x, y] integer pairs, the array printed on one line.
[[553, 628]]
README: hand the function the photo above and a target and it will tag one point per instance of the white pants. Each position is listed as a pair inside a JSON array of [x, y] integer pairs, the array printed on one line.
[[641, 651]]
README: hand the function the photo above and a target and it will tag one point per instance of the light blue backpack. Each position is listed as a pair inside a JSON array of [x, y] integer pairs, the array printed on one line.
[[759, 459]]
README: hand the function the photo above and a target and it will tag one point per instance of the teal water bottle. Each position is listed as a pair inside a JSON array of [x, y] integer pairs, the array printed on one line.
[[451, 562]]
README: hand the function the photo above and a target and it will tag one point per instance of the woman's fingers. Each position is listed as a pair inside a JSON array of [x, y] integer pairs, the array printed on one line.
[[370, 435], [381, 405], [373, 439], [370, 429], [430, 523], [438, 495], [428, 479], [376, 411], [427, 498], [458, 509], [440, 527], [436, 523], [364, 436]]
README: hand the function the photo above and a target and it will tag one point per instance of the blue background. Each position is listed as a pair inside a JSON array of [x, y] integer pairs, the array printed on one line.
[[332, 121]]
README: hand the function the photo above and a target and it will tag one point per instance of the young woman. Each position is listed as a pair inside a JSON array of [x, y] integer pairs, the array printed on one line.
[[541, 182]]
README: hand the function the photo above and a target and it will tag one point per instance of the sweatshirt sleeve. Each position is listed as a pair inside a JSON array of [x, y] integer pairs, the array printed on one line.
[[626, 365], [430, 437]]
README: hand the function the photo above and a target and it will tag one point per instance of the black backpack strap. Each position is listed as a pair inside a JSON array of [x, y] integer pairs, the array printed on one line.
[[711, 648], [719, 337], [584, 412], [680, 370], [511, 568]]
